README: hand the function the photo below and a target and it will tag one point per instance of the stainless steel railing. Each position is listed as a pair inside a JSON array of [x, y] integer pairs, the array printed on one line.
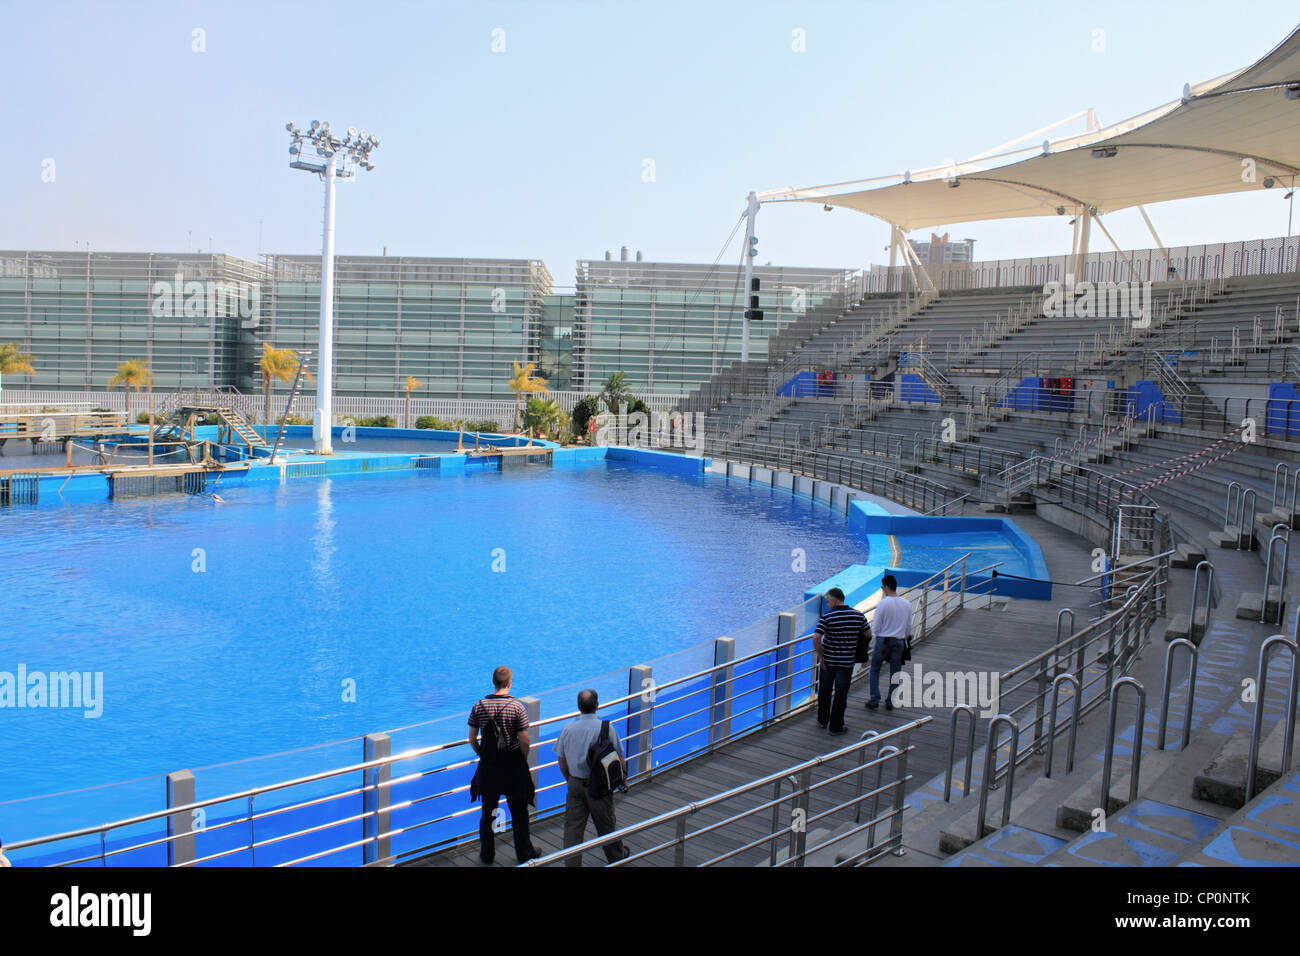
[[670, 832], [1271, 646], [1091, 656], [713, 707], [1108, 759], [1189, 699]]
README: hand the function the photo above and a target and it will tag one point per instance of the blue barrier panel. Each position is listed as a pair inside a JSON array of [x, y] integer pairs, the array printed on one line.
[[1282, 410]]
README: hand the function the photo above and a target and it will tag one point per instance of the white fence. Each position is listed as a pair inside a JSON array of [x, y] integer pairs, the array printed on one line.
[[501, 411], [1251, 257]]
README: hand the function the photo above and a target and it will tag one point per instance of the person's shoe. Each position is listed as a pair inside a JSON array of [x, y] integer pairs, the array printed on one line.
[[821, 725], [872, 705], [842, 730], [889, 705], [627, 851], [484, 860]]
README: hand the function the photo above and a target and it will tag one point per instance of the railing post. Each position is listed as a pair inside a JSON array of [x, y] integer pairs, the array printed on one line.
[[180, 826], [1040, 704], [783, 678], [801, 833], [640, 718], [377, 796], [724, 652]]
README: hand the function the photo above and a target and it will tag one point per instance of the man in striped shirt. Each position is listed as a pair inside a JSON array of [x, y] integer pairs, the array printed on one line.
[[503, 769], [835, 642]]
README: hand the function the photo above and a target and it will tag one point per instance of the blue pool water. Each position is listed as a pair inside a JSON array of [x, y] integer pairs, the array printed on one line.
[[386, 581], [933, 552]]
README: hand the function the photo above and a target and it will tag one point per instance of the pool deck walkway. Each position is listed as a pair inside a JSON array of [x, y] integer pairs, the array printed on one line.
[[974, 639]]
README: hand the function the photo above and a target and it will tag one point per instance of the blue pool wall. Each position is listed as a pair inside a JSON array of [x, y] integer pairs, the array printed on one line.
[[60, 489], [1039, 588]]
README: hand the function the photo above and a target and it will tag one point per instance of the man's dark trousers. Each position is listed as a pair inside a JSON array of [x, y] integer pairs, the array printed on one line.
[[885, 649], [833, 694], [511, 782], [577, 807]]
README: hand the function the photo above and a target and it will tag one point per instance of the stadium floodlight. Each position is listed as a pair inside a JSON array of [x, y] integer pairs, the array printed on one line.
[[317, 151]]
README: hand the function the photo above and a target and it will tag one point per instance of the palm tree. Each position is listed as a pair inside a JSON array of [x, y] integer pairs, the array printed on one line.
[[135, 374], [614, 392], [523, 381], [544, 416], [281, 364], [412, 383], [14, 362]]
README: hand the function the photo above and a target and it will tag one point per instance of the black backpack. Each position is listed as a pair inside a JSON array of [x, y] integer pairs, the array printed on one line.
[[494, 735], [604, 767], [862, 653]]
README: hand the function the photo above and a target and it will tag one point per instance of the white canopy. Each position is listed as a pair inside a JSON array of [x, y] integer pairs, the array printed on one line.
[[1235, 133]]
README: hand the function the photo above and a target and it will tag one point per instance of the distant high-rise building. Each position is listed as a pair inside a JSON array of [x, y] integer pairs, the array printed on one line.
[[942, 251]]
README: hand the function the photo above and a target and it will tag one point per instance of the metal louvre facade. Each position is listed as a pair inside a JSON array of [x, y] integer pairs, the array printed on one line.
[[669, 326], [454, 324], [82, 314]]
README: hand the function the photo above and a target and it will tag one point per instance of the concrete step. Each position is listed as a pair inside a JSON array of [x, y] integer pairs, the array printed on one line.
[[1223, 780], [1180, 626], [1248, 606], [1078, 811], [1233, 538], [1187, 555], [1148, 833], [1284, 516], [960, 832], [1265, 833]]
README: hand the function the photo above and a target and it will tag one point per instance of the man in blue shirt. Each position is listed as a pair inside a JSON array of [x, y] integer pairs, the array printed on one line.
[[571, 749]]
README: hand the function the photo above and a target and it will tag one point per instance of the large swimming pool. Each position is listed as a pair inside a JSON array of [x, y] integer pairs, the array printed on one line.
[[291, 614]]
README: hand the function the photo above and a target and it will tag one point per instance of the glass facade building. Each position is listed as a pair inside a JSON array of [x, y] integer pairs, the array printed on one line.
[[456, 325], [82, 314], [669, 326]]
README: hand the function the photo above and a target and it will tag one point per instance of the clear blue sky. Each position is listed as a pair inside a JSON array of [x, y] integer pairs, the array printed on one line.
[[538, 151]]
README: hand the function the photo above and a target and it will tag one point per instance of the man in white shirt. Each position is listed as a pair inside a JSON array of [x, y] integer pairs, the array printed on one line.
[[890, 625]]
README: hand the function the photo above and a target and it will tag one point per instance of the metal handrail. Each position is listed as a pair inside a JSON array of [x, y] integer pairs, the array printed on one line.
[[1209, 594], [1124, 567], [1075, 705], [776, 685], [952, 748], [1275, 643], [379, 762], [1136, 613], [1190, 698], [1108, 761], [986, 782], [1283, 537], [801, 771]]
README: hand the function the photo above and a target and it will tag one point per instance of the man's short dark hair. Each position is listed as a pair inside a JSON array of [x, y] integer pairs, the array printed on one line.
[[588, 701], [501, 677], [889, 581], [835, 593]]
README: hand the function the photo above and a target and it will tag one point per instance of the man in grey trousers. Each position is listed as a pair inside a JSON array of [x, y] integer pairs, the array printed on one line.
[[571, 748]]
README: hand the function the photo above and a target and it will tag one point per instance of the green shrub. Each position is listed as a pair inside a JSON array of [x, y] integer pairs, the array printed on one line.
[[293, 420], [584, 412], [379, 421]]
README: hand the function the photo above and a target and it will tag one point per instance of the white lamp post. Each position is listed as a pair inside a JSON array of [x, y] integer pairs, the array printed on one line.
[[318, 151]]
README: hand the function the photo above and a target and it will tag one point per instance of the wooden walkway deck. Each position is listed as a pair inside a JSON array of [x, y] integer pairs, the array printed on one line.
[[978, 640]]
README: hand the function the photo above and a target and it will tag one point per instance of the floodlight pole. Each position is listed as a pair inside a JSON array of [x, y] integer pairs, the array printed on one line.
[[751, 212], [318, 151], [323, 420]]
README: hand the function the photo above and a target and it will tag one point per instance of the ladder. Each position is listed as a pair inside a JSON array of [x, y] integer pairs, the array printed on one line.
[[288, 406]]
